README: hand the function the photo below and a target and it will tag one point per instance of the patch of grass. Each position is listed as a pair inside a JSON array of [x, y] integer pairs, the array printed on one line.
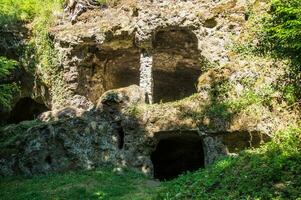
[[270, 172], [97, 184]]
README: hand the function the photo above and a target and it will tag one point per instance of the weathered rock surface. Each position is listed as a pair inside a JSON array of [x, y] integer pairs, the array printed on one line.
[[123, 97], [100, 117], [111, 134], [102, 50]]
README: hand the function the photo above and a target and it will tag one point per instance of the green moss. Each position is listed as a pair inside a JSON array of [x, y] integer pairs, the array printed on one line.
[[10, 132]]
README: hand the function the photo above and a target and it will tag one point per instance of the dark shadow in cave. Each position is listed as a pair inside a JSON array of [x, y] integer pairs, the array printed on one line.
[[26, 109], [122, 69], [106, 69], [177, 153], [177, 64], [121, 136]]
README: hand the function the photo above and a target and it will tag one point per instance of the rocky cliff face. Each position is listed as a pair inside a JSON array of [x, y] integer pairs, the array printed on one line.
[[172, 50], [178, 37]]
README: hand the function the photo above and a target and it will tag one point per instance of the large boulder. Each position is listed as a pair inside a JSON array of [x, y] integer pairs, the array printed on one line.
[[122, 97]]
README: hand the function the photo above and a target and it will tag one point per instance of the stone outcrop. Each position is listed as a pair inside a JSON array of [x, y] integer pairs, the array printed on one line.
[[172, 50], [109, 134], [150, 41]]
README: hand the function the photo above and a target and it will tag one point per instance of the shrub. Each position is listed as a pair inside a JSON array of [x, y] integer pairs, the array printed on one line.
[[6, 89], [283, 26], [282, 38]]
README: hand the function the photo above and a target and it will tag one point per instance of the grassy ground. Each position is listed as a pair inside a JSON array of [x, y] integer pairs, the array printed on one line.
[[96, 184]]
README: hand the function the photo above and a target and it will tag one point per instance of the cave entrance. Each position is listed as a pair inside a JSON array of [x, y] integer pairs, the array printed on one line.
[[122, 69], [177, 64], [26, 109], [177, 153], [107, 69]]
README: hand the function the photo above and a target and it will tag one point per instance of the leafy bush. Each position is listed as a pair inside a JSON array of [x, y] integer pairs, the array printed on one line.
[[6, 66], [6, 89], [21, 10], [283, 27], [282, 38]]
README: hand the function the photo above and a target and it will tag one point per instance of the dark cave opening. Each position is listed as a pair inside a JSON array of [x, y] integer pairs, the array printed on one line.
[[122, 69], [120, 137], [108, 69], [48, 159], [26, 109], [177, 64], [177, 154]]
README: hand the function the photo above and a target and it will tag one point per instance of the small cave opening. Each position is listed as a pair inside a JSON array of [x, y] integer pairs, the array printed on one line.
[[120, 137], [48, 159], [177, 64], [26, 109], [176, 154]]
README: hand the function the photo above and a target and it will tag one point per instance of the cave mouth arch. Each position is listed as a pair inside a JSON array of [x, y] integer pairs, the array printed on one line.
[[177, 64], [177, 153], [26, 109]]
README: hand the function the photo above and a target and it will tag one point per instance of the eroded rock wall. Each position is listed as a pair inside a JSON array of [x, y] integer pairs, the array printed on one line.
[[105, 50], [74, 138], [185, 33]]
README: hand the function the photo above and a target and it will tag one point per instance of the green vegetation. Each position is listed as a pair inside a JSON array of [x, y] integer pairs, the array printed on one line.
[[24, 10], [6, 89], [283, 26], [39, 51], [270, 172], [274, 33], [97, 184], [13, 11], [225, 105], [40, 14], [281, 37]]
